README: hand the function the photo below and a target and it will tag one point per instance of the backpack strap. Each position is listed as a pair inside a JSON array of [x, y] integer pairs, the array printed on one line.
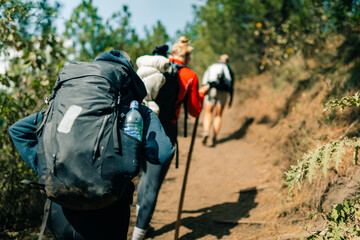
[[31, 185], [184, 101], [186, 113], [47, 208], [34, 185], [177, 154], [119, 116], [47, 101], [185, 129]]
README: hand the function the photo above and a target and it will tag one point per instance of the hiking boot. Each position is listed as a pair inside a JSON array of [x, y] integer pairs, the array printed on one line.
[[213, 142], [150, 233], [204, 141]]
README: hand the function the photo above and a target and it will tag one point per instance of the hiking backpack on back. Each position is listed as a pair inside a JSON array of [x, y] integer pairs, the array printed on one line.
[[223, 83], [168, 93], [151, 69], [162, 82], [84, 160]]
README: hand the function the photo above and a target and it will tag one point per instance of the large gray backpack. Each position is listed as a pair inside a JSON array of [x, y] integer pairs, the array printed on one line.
[[84, 160]]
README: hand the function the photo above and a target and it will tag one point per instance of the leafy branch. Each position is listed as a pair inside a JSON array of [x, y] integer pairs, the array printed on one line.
[[343, 222], [353, 101], [321, 157]]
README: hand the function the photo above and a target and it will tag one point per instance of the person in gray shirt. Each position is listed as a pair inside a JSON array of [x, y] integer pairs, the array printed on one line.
[[220, 76]]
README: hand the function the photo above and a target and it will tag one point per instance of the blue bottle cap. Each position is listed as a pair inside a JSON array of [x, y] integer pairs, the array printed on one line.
[[134, 104]]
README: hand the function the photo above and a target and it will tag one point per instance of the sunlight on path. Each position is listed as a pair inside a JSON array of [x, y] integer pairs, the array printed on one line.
[[229, 190]]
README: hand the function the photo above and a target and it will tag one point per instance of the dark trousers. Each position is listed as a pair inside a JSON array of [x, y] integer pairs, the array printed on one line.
[[108, 223], [150, 182]]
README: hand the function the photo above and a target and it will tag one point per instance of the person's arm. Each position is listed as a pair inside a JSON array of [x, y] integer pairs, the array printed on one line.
[[24, 137], [157, 145], [196, 98]]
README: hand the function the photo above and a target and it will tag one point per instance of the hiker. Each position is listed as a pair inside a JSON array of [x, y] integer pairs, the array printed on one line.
[[153, 175], [110, 222], [222, 77]]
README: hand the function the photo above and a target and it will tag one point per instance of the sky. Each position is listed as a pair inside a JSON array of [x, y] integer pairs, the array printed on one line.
[[173, 14]]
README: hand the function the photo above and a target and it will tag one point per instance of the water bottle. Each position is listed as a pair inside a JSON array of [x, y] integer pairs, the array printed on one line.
[[133, 124]]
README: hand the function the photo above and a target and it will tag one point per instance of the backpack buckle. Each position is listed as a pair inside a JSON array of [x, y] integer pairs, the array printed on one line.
[[32, 185]]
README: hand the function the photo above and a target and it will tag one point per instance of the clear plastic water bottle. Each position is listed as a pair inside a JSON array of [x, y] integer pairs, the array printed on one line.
[[133, 124]]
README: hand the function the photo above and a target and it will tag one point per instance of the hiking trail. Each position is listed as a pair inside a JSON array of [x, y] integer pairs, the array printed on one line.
[[233, 189]]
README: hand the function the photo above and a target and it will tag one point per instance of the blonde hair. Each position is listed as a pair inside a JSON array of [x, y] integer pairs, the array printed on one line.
[[224, 58], [182, 48]]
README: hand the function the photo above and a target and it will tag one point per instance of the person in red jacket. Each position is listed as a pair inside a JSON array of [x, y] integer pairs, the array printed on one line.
[[153, 175], [189, 83]]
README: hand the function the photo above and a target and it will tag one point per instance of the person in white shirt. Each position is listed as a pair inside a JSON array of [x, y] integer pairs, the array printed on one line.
[[220, 76]]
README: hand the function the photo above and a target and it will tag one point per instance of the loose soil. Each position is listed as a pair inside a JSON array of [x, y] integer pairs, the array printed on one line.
[[234, 190]]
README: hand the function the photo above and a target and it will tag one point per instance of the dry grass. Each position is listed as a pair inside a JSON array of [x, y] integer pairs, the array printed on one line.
[[293, 119]]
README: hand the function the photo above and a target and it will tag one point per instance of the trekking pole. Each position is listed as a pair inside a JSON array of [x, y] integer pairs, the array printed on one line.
[[178, 220]]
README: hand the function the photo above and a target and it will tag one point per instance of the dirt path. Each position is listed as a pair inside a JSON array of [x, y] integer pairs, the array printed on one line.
[[232, 191]]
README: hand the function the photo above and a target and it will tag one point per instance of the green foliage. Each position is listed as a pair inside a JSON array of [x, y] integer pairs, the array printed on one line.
[[343, 222], [301, 30], [227, 26], [353, 101], [261, 35], [258, 35], [323, 157], [91, 36], [87, 32], [156, 36], [35, 55]]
